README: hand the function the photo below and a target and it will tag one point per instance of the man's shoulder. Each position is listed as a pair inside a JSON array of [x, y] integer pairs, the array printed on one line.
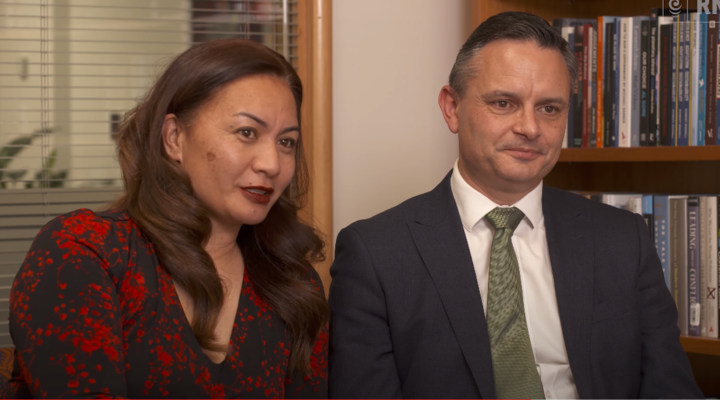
[[600, 211], [393, 218]]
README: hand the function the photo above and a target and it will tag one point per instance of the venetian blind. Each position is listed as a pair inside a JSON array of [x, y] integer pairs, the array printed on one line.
[[69, 70]]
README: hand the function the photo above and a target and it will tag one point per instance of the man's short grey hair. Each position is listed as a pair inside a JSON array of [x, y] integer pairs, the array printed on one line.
[[511, 25]]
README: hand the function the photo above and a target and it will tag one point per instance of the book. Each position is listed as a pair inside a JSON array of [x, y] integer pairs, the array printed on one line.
[[684, 81], [625, 82], [578, 92], [661, 217], [701, 81], [678, 259], [693, 266], [600, 81], [652, 83], [711, 89], [634, 99], [586, 74], [568, 34], [665, 94], [647, 213], [708, 266], [644, 83], [592, 86], [675, 87]]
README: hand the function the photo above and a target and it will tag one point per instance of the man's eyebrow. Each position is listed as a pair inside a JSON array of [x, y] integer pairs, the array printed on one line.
[[556, 100], [253, 117]]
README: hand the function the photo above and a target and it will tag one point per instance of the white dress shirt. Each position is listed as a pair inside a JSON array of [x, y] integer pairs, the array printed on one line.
[[538, 285]]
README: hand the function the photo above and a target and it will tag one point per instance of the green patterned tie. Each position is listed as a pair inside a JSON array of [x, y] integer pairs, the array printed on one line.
[[516, 376]]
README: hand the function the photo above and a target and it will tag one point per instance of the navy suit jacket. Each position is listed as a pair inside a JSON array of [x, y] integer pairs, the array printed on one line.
[[407, 317]]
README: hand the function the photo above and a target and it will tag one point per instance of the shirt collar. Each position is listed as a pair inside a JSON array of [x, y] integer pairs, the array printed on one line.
[[473, 205]]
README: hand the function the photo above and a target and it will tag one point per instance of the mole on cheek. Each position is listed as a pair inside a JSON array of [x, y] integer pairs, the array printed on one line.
[[211, 156]]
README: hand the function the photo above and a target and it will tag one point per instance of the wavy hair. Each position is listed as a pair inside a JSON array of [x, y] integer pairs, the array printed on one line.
[[158, 195]]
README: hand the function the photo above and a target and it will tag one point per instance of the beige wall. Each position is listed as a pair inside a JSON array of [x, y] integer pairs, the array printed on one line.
[[390, 59]]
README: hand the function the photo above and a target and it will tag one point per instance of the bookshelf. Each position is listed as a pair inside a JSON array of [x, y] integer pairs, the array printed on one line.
[[671, 170]]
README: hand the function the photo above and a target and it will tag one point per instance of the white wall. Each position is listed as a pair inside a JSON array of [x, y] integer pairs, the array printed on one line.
[[390, 59]]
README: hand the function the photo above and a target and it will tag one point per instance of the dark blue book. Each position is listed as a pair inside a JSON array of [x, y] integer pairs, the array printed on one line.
[[661, 214]]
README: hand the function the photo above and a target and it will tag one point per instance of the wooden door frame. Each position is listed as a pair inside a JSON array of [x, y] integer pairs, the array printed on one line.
[[315, 70]]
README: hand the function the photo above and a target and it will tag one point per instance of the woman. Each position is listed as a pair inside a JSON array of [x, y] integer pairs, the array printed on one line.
[[197, 282]]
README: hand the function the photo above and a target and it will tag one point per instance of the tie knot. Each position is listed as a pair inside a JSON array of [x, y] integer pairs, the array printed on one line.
[[504, 217]]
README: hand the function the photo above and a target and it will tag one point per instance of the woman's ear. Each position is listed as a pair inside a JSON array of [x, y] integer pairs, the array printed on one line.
[[173, 137]]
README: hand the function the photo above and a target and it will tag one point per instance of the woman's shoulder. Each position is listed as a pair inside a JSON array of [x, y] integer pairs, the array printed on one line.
[[100, 232]]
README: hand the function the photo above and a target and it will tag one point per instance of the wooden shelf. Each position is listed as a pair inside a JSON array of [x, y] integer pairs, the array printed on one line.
[[699, 345], [642, 154]]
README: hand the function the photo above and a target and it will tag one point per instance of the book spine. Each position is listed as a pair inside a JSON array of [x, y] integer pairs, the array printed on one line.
[[711, 296], [717, 86], [711, 269], [634, 99], [616, 78], [678, 268], [701, 81], [693, 266], [702, 238], [647, 213], [566, 34], [578, 109], [586, 84], [592, 128], [665, 95], [711, 90], [625, 84], [600, 79], [653, 75], [644, 84], [683, 138], [675, 94], [661, 215]]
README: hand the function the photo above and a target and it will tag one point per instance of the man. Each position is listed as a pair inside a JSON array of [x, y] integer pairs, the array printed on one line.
[[493, 285]]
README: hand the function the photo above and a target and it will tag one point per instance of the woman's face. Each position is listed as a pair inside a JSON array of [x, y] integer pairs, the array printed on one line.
[[239, 150]]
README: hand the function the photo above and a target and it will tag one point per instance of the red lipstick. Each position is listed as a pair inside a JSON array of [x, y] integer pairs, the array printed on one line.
[[258, 194]]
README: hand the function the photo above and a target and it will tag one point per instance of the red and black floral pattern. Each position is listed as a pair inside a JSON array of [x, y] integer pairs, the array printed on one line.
[[93, 314]]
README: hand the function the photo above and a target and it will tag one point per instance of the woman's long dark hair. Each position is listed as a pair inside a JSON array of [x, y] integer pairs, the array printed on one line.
[[159, 197]]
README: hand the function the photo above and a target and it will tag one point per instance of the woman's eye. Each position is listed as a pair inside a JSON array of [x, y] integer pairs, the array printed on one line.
[[289, 143], [247, 132]]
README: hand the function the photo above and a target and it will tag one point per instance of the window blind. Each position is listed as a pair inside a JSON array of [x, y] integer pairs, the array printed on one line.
[[69, 70]]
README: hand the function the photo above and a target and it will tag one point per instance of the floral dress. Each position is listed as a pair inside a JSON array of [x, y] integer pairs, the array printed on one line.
[[93, 314]]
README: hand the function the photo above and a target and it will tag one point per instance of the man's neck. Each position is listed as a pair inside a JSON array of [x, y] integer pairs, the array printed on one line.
[[504, 196]]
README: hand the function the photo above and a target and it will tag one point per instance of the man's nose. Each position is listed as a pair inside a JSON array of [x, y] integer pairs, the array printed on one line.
[[527, 123]]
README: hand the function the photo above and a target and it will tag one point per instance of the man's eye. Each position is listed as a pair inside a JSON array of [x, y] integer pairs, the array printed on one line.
[[502, 104], [550, 109]]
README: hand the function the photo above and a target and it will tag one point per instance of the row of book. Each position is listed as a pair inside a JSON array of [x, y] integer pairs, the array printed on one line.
[[644, 80], [684, 229]]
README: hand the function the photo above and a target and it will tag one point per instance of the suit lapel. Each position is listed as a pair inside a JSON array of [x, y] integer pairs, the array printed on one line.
[[440, 239], [570, 243]]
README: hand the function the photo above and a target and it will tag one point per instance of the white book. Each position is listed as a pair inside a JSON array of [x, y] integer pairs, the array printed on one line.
[[631, 202], [566, 31], [704, 261], [711, 289], [625, 87]]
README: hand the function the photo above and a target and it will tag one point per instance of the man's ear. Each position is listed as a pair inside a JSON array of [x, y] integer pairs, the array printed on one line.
[[448, 102], [173, 137]]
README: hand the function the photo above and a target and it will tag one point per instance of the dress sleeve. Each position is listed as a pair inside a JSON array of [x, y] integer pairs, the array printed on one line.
[[65, 317], [315, 385]]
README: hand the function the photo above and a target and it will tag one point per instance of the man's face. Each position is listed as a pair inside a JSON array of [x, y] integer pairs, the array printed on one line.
[[511, 120]]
